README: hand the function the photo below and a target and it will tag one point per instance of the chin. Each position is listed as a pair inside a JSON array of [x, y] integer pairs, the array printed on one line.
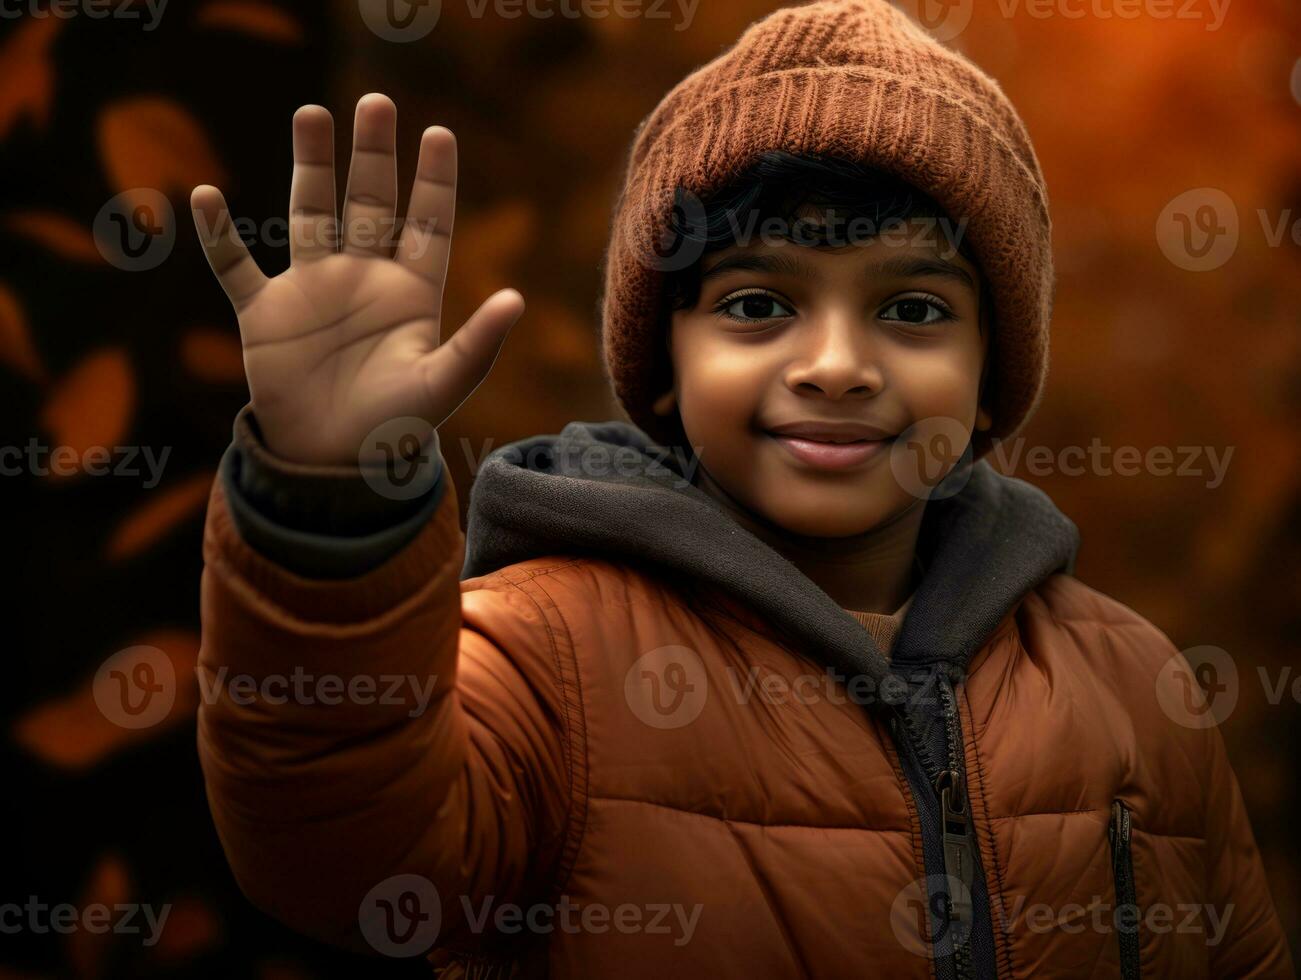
[[827, 520]]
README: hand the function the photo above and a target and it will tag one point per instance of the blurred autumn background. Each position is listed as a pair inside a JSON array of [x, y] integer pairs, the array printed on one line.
[[1127, 115]]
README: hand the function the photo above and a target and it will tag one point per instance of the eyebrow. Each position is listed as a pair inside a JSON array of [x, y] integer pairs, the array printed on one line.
[[904, 267]]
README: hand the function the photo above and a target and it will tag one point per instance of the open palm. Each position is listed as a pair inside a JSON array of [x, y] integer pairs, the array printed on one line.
[[349, 337]]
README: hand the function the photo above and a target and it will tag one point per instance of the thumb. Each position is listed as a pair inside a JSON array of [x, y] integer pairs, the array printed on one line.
[[451, 372]]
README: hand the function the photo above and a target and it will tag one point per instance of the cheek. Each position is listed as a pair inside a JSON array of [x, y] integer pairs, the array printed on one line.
[[939, 383], [719, 383]]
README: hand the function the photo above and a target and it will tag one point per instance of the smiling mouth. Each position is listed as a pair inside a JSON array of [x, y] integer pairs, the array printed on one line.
[[838, 455]]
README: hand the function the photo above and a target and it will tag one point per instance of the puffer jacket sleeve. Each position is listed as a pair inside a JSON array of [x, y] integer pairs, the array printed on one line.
[[1254, 943], [356, 729]]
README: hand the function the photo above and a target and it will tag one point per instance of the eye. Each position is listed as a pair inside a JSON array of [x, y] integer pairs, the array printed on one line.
[[751, 307], [918, 310]]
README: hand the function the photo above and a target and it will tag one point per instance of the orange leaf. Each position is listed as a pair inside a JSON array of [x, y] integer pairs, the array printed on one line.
[[28, 72], [213, 355], [257, 19], [92, 405], [193, 927], [109, 885], [163, 512], [77, 730], [16, 347], [154, 142], [60, 234]]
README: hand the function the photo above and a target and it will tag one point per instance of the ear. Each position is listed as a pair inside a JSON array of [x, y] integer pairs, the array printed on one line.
[[665, 403], [984, 421]]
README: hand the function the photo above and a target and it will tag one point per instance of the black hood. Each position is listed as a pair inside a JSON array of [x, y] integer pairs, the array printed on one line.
[[604, 489]]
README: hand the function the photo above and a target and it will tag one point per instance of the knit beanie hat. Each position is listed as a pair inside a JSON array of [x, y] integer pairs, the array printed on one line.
[[855, 79]]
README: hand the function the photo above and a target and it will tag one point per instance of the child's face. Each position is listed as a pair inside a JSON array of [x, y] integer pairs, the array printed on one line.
[[876, 334]]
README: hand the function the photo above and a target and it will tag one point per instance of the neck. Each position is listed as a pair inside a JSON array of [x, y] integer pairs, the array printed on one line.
[[874, 571]]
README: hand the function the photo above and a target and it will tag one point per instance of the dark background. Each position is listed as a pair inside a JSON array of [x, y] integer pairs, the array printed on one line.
[[1126, 114]]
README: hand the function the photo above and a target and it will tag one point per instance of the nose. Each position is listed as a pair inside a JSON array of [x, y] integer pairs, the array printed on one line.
[[835, 359]]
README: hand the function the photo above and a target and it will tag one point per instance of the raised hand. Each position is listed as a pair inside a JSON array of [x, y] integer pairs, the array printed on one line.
[[349, 337]]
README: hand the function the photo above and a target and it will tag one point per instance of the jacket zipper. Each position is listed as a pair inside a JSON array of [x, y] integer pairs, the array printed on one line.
[[951, 874], [1126, 915]]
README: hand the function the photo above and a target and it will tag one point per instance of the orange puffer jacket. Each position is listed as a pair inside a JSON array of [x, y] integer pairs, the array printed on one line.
[[609, 733]]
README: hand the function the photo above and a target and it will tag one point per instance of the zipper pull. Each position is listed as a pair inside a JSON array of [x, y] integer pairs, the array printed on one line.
[[1118, 831], [959, 850]]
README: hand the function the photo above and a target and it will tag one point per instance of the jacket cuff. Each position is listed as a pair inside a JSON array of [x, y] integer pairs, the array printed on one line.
[[325, 522], [272, 591]]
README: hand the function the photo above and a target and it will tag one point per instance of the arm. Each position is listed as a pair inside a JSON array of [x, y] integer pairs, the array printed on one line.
[[361, 719], [450, 761], [1254, 944]]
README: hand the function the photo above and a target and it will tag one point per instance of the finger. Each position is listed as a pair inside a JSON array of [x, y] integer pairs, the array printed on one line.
[[227, 254], [452, 371], [313, 218], [371, 199], [426, 241]]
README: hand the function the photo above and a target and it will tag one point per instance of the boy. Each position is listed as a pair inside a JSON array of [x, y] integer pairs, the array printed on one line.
[[742, 690]]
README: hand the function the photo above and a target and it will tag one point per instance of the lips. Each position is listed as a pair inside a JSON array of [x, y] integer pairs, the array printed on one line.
[[840, 430], [832, 455], [831, 445]]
